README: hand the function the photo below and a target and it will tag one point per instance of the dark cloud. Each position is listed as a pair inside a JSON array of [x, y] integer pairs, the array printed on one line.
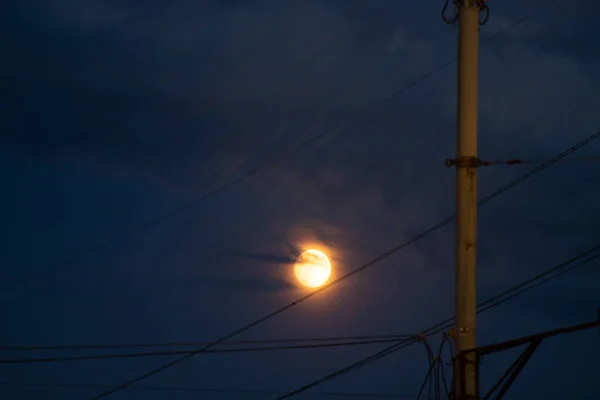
[[265, 257], [193, 94], [239, 284], [253, 113]]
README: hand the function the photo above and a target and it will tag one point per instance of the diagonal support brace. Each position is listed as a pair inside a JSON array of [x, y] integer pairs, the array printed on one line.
[[505, 382]]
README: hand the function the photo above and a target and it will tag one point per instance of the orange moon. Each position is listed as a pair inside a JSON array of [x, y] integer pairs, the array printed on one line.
[[312, 269]]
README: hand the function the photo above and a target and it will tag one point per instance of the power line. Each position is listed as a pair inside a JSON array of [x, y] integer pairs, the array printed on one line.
[[494, 301], [548, 275], [374, 261], [374, 357], [465, 313], [189, 344], [184, 206], [484, 306], [525, 17], [519, 161], [180, 352], [207, 390], [527, 285], [364, 266], [382, 167]]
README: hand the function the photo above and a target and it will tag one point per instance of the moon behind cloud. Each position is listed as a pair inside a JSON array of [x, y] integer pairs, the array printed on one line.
[[313, 268]]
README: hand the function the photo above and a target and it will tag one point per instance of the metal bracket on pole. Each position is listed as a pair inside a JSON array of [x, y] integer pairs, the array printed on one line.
[[466, 162]]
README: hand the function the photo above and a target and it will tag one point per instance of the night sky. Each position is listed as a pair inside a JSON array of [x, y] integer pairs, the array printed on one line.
[[115, 113]]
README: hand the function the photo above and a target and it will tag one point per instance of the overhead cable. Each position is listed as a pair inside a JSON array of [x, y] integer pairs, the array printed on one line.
[[180, 352], [355, 271], [212, 192], [194, 344], [248, 392], [482, 307]]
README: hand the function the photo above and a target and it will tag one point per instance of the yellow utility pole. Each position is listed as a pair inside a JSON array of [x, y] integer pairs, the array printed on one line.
[[465, 372]]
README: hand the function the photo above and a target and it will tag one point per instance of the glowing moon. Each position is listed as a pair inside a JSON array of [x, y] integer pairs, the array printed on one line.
[[312, 268]]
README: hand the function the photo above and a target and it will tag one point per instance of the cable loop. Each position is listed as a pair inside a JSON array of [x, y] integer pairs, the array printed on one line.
[[454, 17], [485, 9]]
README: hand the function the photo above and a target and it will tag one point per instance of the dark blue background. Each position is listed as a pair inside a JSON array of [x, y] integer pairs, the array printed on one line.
[[114, 112]]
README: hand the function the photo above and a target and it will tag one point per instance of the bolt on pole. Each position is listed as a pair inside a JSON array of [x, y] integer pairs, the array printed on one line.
[[465, 372]]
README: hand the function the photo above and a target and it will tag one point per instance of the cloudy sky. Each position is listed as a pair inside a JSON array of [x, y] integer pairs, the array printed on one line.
[[116, 113]]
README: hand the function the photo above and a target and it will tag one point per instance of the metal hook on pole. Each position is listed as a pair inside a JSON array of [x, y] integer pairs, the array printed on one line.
[[483, 9], [454, 18]]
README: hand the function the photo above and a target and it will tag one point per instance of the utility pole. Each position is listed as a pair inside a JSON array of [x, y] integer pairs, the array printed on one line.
[[466, 162]]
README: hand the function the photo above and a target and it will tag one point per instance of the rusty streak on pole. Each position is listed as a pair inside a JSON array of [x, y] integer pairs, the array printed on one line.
[[466, 198]]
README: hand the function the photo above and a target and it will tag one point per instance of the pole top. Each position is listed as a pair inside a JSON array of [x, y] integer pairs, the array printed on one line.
[[458, 4]]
